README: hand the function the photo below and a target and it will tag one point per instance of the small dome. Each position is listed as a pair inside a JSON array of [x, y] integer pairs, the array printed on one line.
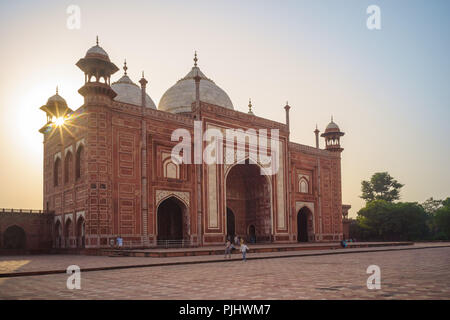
[[332, 127], [97, 52], [180, 97], [129, 92], [56, 106], [57, 100]]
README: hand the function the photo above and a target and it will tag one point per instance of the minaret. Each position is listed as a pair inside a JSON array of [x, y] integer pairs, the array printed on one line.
[[144, 167], [316, 132], [332, 137], [97, 70], [143, 83], [199, 167], [197, 83], [287, 107]]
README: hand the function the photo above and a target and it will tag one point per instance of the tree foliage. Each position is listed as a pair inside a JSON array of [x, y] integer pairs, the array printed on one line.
[[431, 205], [442, 221], [381, 186], [382, 220]]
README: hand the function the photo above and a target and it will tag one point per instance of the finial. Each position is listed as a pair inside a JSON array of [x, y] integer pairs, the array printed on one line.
[[97, 40], [287, 106], [195, 59], [331, 118], [317, 129], [250, 106], [143, 81], [56, 89], [125, 68]]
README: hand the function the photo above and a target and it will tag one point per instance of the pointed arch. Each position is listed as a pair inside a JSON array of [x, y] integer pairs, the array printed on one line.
[[68, 167], [57, 172], [250, 194], [79, 162], [172, 220]]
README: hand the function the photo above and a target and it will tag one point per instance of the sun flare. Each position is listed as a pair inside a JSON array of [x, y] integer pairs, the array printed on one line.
[[59, 121]]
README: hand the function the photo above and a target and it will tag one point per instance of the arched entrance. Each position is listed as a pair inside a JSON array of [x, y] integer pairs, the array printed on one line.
[[14, 238], [58, 234], [249, 194], [172, 220], [252, 233], [80, 232], [231, 224], [68, 233], [304, 216]]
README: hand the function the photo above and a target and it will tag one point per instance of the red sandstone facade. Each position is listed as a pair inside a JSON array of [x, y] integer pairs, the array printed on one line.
[[107, 173], [25, 229]]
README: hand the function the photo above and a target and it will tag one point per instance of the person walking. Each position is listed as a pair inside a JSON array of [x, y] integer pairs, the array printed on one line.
[[119, 242], [228, 249], [244, 250], [236, 240]]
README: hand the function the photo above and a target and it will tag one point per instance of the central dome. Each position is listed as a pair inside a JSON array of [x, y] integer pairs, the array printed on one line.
[[179, 98]]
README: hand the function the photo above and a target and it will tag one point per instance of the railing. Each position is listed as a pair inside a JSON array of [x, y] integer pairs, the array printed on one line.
[[8, 210], [128, 244], [174, 243], [131, 244]]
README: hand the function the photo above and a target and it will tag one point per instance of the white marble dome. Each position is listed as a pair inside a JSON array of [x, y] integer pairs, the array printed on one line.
[[129, 92], [332, 126], [179, 97]]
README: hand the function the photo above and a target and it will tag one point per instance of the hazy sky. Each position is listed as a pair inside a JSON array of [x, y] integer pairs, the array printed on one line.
[[388, 89]]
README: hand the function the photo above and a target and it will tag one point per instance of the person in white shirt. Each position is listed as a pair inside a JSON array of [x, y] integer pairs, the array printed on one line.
[[119, 242], [244, 250]]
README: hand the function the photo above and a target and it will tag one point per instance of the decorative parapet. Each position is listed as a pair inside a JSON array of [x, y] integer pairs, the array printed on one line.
[[156, 114], [312, 150], [238, 115], [24, 211]]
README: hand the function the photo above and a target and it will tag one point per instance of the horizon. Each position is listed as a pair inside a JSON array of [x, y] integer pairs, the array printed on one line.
[[387, 89]]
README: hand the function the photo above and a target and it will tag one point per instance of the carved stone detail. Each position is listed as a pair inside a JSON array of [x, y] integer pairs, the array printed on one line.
[[164, 194]]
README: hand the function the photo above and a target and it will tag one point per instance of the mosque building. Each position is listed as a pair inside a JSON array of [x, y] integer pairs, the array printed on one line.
[[108, 169]]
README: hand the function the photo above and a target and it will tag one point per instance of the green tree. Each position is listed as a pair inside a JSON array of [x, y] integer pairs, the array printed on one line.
[[431, 206], [442, 221], [387, 221], [381, 186]]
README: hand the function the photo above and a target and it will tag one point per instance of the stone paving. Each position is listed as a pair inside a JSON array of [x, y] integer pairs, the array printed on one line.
[[33, 263], [405, 274]]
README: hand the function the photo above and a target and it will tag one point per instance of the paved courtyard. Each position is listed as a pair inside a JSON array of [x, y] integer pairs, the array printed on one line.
[[405, 274]]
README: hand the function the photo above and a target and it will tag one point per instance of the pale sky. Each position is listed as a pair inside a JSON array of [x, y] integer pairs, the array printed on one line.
[[388, 89]]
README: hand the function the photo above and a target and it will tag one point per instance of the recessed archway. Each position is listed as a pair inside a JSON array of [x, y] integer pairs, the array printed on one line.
[[250, 195], [14, 237], [231, 224], [80, 232], [58, 232], [68, 232], [172, 220], [304, 216]]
